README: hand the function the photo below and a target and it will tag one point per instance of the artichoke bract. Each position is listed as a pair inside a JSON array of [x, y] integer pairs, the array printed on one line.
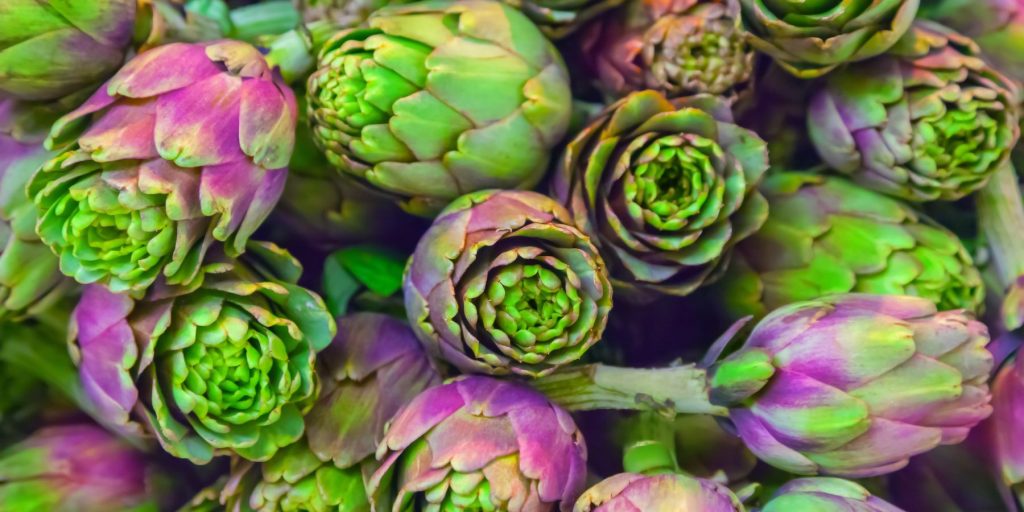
[[928, 121], [223, 367], [79, 467], [854, 385], [810, 39], [677, 47], [186, 145], [480, 443], [29, 277], [825, 495], [1007, 436], [825, 235], [631, 491], [49, 49], [665, 189], [398, 105], [503, 283]]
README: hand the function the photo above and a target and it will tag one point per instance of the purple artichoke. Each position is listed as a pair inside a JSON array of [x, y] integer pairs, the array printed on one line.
[[223, 367], [1007, 426], [78, 467], [826, 495], [479, 443], [628, 492], [854, 385], [503, 283], [930, 120], [186, 145], [665, 189]]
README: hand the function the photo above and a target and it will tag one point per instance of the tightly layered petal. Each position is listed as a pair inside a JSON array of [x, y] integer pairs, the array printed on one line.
[[226, 367], [826, 495], [186, 145], [399, 105], [665, 189], [502, 283], [635, 492], [479, 443], [825, 235], [857, 384]]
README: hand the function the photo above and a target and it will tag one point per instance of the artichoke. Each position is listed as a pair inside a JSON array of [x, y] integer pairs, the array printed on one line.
[[1007, 438], [51, 48], [928, 121], [342, 13], [825, 495], [665, 189], [825, 235], [810, 39], [502, 283], [29, 278], [79, 467], [398, 105], [223, 367], [677, 47], [479, 443], [854, 385], [561, 18], [186, 145], [631, 491]]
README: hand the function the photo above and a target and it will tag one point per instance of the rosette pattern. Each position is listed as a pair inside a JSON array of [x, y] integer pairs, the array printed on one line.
[[186, 145], [502, 283], [677, 47], [480, 443], [665, 189], [930, 120], [51, 49], [398, 105], [854, 385], [223, 367], [826, 495], [825, 235], [810, 39], [632, 491]]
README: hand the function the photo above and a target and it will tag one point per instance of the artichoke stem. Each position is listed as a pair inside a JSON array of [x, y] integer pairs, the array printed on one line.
[[680, 390], [1000, 216], [650, 445], [273, 17]]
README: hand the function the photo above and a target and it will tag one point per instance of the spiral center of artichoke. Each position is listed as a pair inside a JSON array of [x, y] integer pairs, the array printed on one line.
[[530, 305], [346, 90], [689, 54], [959, 141], [673, 180], [238, 370]]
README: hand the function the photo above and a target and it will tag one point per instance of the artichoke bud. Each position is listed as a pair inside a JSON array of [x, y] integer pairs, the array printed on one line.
[[739, 376], [824, 494]]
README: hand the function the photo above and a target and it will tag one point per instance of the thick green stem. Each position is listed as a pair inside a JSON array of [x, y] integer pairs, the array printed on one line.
[[649, 444], [265, 18], [682, 390], [1000, 217], [45, 359]]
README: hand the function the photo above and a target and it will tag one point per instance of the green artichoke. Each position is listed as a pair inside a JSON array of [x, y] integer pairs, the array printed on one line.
[[825, 235], [823, 494], [225, 366], [664, 189], [398, 105], [810, 39], [929, 120]]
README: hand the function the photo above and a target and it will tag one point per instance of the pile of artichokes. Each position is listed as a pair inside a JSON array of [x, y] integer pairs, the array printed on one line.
[[511, 255]]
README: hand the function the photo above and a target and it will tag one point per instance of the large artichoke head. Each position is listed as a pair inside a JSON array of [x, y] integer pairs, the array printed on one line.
[[1007, 436], [854, 385], [479, 443], [79, 467], [399, 106], [29, 278], [50, 48], [665, 188], [503, 283], [824, 494], [825, 235], [225, 367], [632, 491], [810, 39], [677, 47], [930, 120], [186, 145]]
